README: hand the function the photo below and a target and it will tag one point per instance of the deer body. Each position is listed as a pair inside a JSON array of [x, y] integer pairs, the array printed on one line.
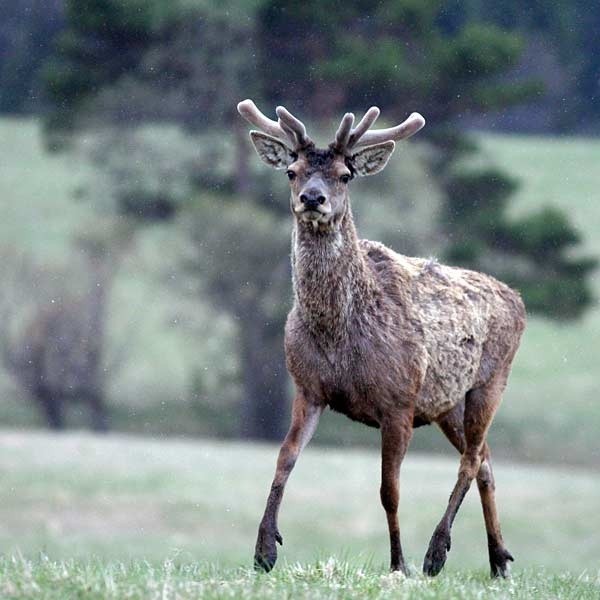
[[383, 330], [391, 341]]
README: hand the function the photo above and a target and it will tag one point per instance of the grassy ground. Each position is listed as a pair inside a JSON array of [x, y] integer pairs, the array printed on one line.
[[116, 517], [48, 579]]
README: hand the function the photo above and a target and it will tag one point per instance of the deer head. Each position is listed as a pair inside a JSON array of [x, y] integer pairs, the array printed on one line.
[[319, 178]]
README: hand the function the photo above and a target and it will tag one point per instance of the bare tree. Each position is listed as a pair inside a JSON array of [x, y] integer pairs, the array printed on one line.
[[53, 331]]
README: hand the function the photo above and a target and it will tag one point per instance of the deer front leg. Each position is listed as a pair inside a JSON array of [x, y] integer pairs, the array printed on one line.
[[395, 437], [305, 417], [440, 542]]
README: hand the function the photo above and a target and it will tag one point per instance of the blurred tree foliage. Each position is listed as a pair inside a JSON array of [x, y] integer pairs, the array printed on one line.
[[447, 64], [190, 70], [27, 30], [570, 28], [240, 249], [152, 60], [188, 63], [396, 55], [532, 253], [102, 41]]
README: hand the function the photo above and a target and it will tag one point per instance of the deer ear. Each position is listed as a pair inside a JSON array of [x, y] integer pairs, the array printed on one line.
[[372, 159], [271, 151]]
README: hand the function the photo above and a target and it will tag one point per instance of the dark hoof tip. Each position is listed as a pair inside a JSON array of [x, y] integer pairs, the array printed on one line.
[[432, 566], [435, 559], [265, 551], [262, 563], [501, 571], [499, 561]]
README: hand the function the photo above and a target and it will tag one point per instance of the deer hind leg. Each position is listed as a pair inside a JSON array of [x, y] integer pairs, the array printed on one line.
[[305, 417], [499, 555], [469, 438], [395, 437], [452, 426]]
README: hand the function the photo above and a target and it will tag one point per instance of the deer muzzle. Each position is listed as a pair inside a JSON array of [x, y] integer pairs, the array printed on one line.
[[312, 199]]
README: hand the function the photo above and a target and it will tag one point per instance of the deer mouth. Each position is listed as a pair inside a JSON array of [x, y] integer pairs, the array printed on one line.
[[316, 218], [320, 213], [312, 215]]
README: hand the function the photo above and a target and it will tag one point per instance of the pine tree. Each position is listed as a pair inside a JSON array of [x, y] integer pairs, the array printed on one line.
[[448, 64]]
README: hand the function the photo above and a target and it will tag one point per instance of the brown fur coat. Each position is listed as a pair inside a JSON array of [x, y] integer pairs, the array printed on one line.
[[372, 330]]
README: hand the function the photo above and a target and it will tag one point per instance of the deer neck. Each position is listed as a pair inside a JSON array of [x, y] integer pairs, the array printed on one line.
[[331, 280]]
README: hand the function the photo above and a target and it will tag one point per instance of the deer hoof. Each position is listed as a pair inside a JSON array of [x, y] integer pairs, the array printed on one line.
[[435, 559], [265, 554], [499, 562]]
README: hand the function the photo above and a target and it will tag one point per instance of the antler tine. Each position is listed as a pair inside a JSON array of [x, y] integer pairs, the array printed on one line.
[[291, 123], [414, 123], [343, 132], [250, 112], [289, 132], [367, 121]]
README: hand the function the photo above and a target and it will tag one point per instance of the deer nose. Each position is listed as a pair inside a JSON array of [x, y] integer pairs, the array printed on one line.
[[312, 198]]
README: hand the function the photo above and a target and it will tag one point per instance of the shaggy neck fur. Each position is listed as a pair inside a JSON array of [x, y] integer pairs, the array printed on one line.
[[332, 283]]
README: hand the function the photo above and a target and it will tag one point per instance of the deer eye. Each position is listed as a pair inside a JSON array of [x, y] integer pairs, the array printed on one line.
[[345, 178], [291, 175]]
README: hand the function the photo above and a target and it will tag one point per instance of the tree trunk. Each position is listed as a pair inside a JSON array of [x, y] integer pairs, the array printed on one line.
[[241, 171], [265, 405], [53, 409], [98, 412]]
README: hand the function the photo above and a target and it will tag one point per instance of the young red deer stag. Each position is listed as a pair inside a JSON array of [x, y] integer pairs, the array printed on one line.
[[391, 341]]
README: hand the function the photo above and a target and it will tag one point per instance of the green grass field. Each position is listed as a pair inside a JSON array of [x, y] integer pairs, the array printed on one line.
[[48, 579], [126, 517]]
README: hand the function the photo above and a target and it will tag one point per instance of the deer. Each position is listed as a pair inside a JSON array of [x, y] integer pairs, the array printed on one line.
[[391, 341]]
